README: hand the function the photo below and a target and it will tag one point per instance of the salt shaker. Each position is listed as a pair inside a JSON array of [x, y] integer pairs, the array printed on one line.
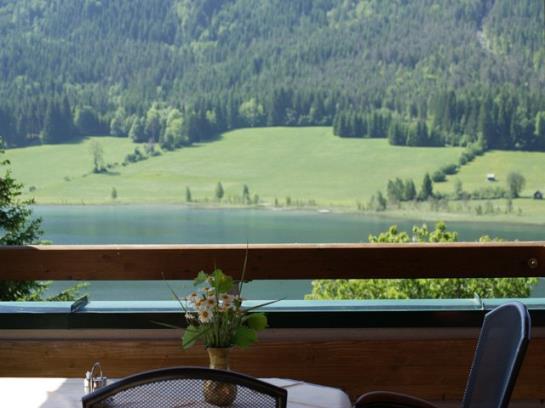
[[87, 382]]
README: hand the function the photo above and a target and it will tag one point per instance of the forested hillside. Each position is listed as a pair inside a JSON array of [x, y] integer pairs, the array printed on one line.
[[422, 72]]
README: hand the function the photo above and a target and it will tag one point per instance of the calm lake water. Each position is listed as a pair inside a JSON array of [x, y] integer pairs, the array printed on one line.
[[164, 224]]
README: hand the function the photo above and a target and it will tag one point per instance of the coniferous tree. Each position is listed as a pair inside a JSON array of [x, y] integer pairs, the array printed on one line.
[[336, 125], [409, 193], [68, 130], [6, 130], [86, 121], [219, 191], [422, 137], [53, 129], [17, 227], [392, 193], [382, 203], [245, 194], [395, 134], [426, 191], [486, 124], [278, 107]]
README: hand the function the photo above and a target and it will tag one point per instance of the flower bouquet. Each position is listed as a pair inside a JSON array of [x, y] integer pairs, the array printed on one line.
[[215, 314]]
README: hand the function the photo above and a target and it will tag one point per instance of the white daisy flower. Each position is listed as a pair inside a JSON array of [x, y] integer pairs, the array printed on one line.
[[205, 316], [199, 304], [227, 301], [192, 297], [210, 302]]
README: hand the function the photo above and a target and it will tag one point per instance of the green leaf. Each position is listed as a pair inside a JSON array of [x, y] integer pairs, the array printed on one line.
[[257, 321], [222, 282], [170, 326], [245, 336], [263, 304], [201, 277], [191, 335], [175, 295]]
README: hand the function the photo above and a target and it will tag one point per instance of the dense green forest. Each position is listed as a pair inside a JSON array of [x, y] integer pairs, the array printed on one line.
[[422, 72]]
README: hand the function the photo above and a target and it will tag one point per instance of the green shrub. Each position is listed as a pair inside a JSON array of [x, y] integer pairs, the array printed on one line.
[[450, 169], [134, 157], [450, 288], [489, 193], [438, 176], [466, 157]]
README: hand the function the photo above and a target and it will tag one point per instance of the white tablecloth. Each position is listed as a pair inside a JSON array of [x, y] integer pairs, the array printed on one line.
[[67, 393]]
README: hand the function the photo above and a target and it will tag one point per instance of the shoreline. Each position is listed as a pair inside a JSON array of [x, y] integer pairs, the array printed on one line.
[[394, 214]]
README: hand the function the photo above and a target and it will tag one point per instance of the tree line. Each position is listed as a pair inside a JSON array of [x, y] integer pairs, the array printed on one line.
[[503, 118], [505, 121]]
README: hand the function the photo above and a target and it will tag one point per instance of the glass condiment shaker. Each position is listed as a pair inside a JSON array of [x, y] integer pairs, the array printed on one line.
[[94, 381]]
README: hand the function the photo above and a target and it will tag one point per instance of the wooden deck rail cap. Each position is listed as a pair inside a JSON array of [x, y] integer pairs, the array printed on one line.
[[273, 261]]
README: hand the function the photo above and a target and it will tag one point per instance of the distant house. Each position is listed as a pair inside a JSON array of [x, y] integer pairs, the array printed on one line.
[[538, 195], [491, 177]]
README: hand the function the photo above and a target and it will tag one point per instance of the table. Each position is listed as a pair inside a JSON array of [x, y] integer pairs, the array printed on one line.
[[67, 393]]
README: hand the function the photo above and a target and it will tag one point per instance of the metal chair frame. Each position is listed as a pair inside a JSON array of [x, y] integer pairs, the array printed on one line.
[[191, 373], [522, 344], [386, 399]]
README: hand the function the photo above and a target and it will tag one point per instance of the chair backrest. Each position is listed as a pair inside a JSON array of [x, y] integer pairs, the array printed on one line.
[[185, 387], [500, 350]]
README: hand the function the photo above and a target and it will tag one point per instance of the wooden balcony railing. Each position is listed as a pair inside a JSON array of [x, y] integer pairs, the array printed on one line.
[[430, 362], [273, 261]]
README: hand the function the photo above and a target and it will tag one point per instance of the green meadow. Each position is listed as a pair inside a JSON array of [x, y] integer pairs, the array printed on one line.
[[308, 165], [305, 164], [473, 175]]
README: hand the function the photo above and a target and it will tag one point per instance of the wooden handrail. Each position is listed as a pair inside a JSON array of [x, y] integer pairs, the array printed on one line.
[[273, 261]]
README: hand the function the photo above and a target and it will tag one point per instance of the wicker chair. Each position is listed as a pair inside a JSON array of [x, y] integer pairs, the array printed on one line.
[[186, 387], [500, 351]]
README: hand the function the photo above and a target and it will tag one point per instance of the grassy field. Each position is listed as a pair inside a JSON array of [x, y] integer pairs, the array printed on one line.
[[473, 175], [524, 211], [302, 163], [60, 173]]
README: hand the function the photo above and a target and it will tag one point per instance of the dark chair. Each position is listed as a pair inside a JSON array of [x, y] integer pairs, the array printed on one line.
[[500, 350], [185, 387]]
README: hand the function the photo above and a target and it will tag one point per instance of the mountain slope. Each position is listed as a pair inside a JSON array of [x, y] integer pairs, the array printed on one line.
[[194, 55]]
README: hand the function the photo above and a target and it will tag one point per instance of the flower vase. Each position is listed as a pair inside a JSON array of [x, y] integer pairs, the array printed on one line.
[[216, 392]]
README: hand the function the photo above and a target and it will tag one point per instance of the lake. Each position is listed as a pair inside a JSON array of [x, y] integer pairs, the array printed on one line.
[[171, 224]]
